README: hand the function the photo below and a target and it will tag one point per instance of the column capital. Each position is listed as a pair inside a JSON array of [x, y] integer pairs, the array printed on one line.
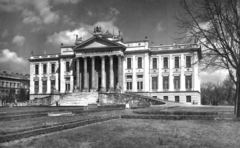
[[102, 56], [92, 57]]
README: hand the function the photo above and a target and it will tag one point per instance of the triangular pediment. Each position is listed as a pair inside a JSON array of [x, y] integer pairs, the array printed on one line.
[[97, 42]]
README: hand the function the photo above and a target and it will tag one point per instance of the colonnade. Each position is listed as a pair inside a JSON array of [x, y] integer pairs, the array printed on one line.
[[94, 76]]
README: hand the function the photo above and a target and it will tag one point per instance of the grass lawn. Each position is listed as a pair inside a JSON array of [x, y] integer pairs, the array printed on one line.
[[8, 126], [138, 133]]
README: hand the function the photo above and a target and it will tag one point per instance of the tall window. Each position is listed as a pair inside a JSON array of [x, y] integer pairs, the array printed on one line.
[[53, 68], [67, 66], [36, 87], [44, 86], [188, 98], [188, 80], [176, 62], [67, 86], [140, 85], [36, 69], [154, 82], [165, 62], [165, 82], [139, 62], [176, 98], [44, 68], [129, 64], [140, 82], [52, 85], [176, 82], [188, 61], [154, 63], [129, 85]]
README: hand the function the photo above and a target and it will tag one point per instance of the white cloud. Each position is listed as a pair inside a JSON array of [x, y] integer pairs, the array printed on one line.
[[90, 13], [213, 76], [10, 61], [19, 40], [68, 37], [30, 17], [160, 27], [35, 11], [85, 31]]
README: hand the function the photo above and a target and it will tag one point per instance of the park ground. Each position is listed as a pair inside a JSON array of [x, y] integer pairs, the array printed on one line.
[[131, 133]]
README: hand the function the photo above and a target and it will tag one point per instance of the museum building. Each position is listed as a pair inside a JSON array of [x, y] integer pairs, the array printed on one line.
[[104, 63]]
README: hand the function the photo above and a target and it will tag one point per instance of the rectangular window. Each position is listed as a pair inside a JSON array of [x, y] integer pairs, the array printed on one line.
[[36, 69], [188, 80], [139, 76], [36, 86], [154, 82], [67, 87], [129, 85], [176, 62], [129, 76], [165, 97], [140, 85], [188, 99], [129, 66], [165, 62], [139, 62], [52, 85], [44, 68], [188, 61], [154, 60], [176, 98], [44, 86], [53, 68], [165, 82], [67, 66], [176, 82]]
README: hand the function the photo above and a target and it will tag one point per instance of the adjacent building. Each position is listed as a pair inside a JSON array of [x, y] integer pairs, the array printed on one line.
[[105, 63], [12, 81]]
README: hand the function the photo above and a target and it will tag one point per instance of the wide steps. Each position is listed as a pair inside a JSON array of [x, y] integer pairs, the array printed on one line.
[[79, 99]]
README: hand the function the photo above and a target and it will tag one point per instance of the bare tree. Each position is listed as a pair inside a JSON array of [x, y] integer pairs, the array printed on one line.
[[215, 24]]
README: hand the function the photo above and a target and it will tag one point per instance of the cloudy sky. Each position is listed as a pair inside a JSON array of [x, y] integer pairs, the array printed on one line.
[[42, 25]]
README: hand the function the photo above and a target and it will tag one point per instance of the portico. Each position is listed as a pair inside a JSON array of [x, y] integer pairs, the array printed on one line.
[[98, 65]]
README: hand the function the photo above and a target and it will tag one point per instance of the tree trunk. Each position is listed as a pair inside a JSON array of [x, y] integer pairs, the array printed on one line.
[[238, 96]]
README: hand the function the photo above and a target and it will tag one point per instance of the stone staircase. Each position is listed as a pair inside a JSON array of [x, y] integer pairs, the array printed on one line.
[[79, 99]]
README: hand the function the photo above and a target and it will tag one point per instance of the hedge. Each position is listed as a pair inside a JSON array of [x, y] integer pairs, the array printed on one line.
[[175, 112], [170, 117]]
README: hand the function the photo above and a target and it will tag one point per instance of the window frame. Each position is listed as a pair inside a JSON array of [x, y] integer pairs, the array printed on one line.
[[44, 68], [154, 64], [187, 99], [129, 63], [179, 82], [165, 63], [165, 78], [36, 89], [36, 69], [53, 68], [67, 66], [177, 99], [154, 83], [177, 62], [188, 86], [140, 63], [188, 61]]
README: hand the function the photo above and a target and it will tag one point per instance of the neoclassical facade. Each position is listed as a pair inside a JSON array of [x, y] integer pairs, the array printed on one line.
[[105, 63]]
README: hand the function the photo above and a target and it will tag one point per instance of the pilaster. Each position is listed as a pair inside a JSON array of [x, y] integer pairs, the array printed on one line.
[[103, 83]]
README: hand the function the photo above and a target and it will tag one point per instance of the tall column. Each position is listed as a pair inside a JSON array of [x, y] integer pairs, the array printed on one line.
[[103, 77], [85, 75], [93, 75], [120, 71], [78, 74], [111, 74]]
